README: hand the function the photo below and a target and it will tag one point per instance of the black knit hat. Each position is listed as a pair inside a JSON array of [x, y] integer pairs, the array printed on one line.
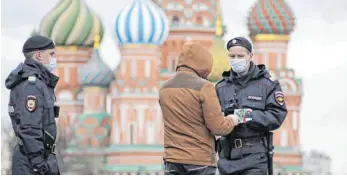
[[240, 41], [37, 42]]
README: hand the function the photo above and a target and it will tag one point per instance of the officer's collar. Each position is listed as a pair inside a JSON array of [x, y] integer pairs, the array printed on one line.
[[242, 80], [42, 72]]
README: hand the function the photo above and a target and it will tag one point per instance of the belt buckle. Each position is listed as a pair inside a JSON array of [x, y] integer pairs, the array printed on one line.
[[238, 143], [53, 149]]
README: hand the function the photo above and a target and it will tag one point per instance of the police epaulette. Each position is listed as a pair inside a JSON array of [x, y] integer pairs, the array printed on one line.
[[272, 79], [219, 82], [32, 79]]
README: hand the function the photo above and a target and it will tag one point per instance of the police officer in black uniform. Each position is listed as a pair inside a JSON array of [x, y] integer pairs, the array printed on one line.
[[32, 109], [251, 88]]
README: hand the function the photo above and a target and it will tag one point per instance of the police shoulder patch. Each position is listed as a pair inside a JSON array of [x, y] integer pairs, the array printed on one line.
[[31, 103], [219, 82], [279, 97]]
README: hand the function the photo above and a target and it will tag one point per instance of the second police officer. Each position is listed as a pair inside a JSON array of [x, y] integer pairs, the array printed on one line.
[[249, 91], [32, 109]]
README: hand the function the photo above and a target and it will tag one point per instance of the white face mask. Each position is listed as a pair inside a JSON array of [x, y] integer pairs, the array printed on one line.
[[238, 65], [52, 64]]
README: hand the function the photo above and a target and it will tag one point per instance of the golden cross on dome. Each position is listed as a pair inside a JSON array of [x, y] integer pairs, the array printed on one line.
[[96, 41], [219, 26]]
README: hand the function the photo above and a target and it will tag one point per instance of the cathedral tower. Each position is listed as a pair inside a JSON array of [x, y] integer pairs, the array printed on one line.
[[72, 25], [137, 130], [190, 20], [270, 23]]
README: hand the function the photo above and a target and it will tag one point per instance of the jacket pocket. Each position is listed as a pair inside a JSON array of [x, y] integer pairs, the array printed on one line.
[[48, 112]]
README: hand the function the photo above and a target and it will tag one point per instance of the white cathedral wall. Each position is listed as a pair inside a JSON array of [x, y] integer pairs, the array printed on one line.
[[146, 129]]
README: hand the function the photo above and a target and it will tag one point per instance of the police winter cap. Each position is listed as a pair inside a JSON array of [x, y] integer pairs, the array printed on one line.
[[38, 42], [240, 41]]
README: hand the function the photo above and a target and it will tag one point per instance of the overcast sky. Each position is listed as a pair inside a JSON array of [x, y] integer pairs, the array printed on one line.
[[316, 52]]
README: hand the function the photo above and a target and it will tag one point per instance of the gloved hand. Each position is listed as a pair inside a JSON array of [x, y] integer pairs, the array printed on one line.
[[41, 168], [39, 165]]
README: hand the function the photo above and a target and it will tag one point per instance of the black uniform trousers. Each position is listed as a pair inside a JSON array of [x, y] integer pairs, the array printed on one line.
[[188, 169], [246, 160]]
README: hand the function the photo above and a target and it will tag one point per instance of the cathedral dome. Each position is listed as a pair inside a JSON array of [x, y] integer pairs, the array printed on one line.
[[71, 23], [141, 22], [271, 17], [95, 72], [220, 59]]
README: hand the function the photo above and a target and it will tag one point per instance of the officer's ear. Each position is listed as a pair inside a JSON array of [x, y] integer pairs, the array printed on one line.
[[251, 55], [39, 56]]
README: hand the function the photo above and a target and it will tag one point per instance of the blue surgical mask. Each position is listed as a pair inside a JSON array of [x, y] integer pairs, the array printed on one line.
[[52, 64], [238, 65]]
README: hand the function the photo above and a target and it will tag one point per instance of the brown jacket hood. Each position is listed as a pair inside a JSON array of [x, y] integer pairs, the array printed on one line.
[[197, 58]]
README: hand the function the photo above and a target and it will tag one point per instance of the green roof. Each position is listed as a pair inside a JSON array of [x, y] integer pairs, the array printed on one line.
[[71, 150], [98, 116], [125, 148], [116, 148], [293, 168], [287, 150], [163, 70], [134, 168]]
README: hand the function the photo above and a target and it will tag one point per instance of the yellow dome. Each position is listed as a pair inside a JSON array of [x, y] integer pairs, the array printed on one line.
[[220, 59]]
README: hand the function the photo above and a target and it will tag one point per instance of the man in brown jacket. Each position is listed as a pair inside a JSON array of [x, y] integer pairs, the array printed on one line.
[[192, 115]]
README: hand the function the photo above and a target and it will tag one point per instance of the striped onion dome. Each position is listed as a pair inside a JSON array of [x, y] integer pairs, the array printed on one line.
[[271, 17], [71, 22], [95, 72], [141, 22]]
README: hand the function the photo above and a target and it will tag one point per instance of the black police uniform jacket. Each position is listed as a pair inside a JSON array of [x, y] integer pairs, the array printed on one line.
[[257, 91], [31, 108]]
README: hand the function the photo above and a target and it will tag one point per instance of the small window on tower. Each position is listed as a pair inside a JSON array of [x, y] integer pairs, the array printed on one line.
[[175, 20], [173, 63], [284, 138], [199, 20], [295, 120], [206, 22], [132, 134]]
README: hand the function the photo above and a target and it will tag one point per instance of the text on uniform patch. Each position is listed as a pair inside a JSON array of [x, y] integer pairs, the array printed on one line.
[[254, 98]]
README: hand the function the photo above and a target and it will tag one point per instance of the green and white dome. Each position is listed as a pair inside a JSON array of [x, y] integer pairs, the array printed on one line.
[[71, 23]]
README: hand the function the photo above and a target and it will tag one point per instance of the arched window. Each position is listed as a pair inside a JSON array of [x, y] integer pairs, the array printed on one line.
[[175, 20], [172, 63], [288, 85], [151, 135], [80, 96], [132, 133], [206, 22], [199, 20], [284, 138], [295, 120]]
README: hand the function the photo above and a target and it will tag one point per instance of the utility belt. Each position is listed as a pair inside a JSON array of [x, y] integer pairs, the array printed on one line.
[[242, 146], [48, 142]]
